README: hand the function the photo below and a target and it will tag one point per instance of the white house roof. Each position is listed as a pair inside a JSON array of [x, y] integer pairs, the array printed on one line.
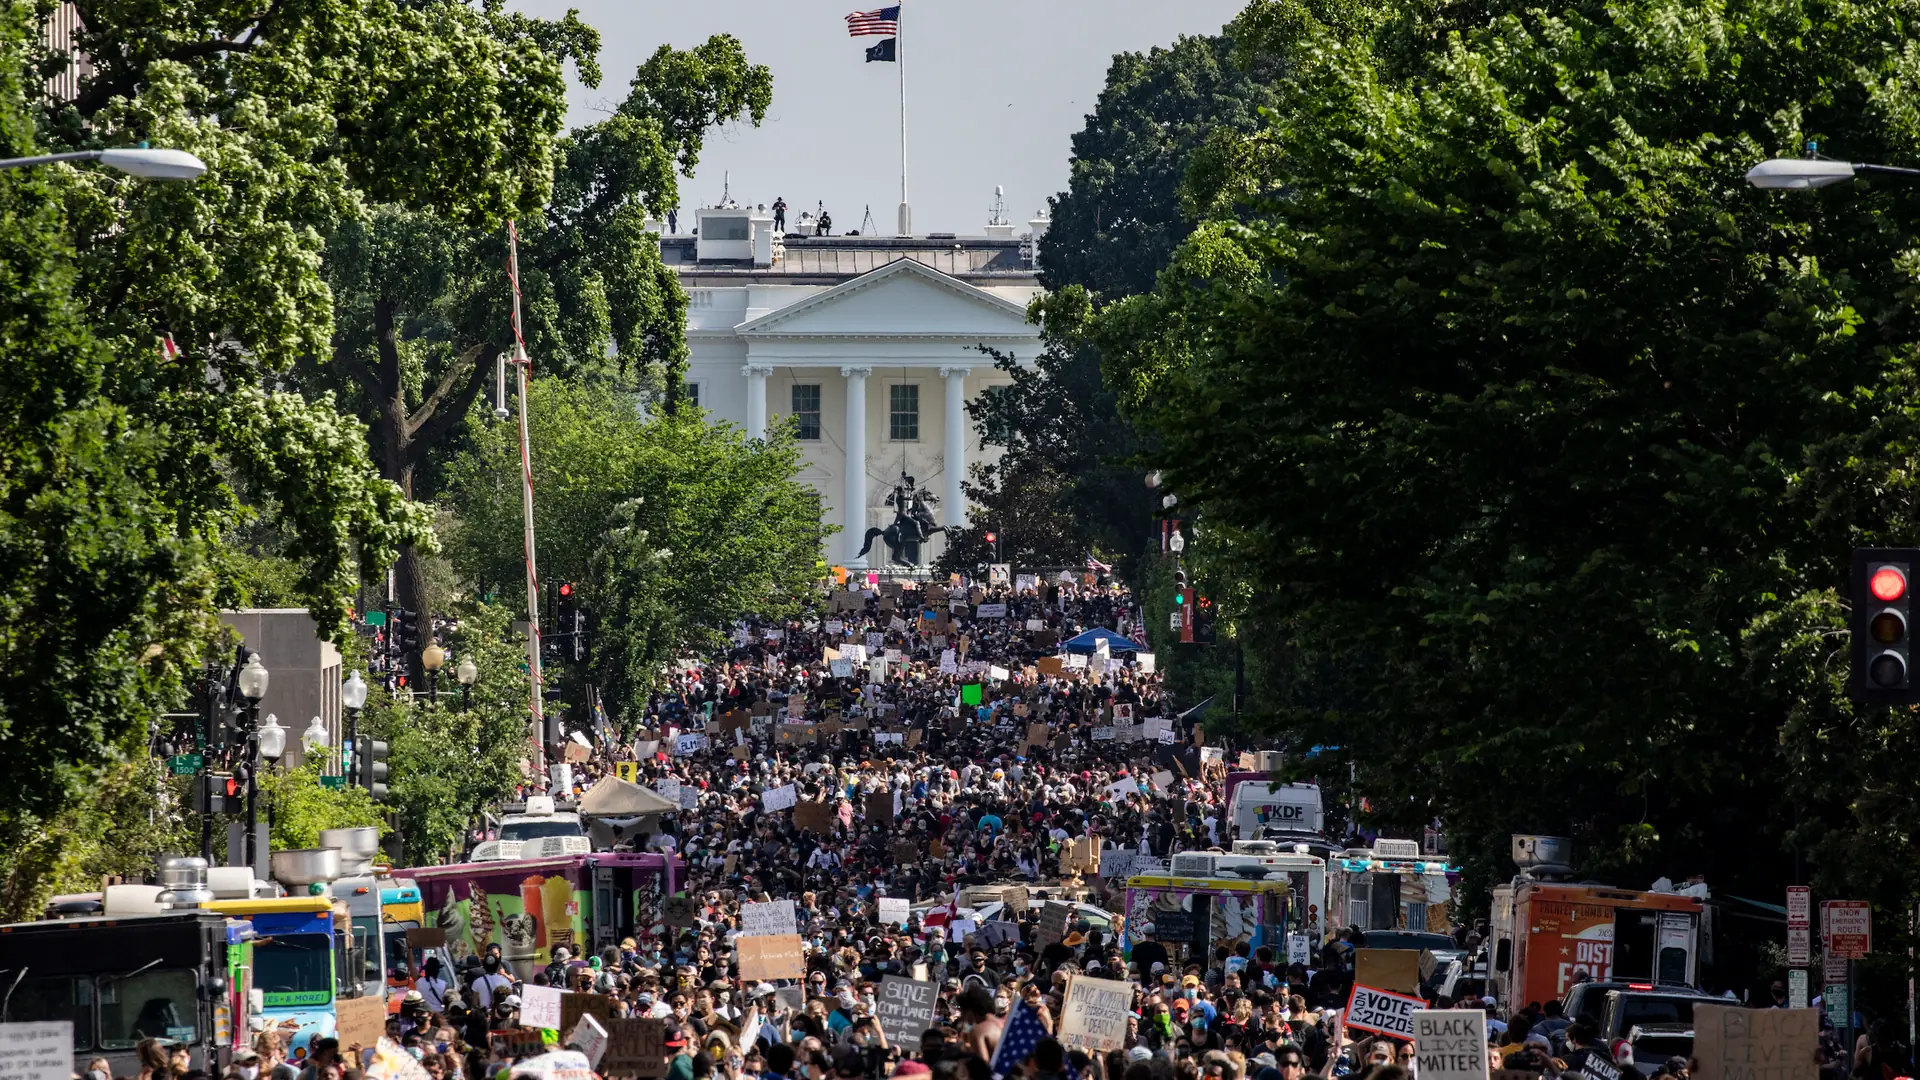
[[903, 298]]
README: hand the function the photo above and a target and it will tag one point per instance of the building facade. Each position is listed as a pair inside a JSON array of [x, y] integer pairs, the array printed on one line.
[[871, 347]]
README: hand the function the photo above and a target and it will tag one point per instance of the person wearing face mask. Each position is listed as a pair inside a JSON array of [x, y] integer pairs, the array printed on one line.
[[98, 1069], [246, 1066]]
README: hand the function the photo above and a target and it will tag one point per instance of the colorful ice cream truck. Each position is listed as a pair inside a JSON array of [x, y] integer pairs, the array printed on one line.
[[293, 962], [532, 906]]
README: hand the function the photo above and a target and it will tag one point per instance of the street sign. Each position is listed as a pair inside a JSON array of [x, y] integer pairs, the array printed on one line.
[[1796, 988], [1834, 997], [1799, 906], [375, 618], [1799, 945], [1849, 929], [1833, 969], [1176, 620], [335, 782], [185, 764]]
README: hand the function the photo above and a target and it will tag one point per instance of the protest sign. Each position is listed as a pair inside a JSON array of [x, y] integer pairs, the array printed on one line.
[[38, 1051], [1732, 1043], [1299, 951], [1450, 1044], [994, 934], [590, 1038], [691, 743], [679, 911], [360, 1021], [1103, 734], [840, 669], [895, 909], [1094, 1015], [635, 1047], [904, 1008], [781, 798], [690, 795], [762, 920], [880, 808], [426, 937], [793, 998], [627, 770], [1054, 919], [991, 611], [539, 1006], [1380, 1011], [813, 816], [1388, 969], [779, 956], [668, 788]]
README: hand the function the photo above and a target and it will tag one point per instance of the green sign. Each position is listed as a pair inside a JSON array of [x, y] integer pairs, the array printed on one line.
[[375, 618], [293, 999], [185, 764], [333, 782], [970, 694]]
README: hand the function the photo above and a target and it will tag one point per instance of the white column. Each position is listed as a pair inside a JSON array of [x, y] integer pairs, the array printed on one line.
[[756, 399], [953, 503], [854, 508]]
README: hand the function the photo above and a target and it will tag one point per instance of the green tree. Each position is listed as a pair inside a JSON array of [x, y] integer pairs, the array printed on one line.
[[1545, 435], [421, 295], [125, 464], [299, 807], [672, 526], [449, 761]]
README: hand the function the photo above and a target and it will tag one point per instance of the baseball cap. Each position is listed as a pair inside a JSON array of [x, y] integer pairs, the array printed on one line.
[[511, 999], [912, 1068], [1139, 1053]]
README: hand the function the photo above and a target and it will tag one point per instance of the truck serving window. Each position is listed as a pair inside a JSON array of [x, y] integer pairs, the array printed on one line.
[[54, 998], [155, 1004], [294, 970]]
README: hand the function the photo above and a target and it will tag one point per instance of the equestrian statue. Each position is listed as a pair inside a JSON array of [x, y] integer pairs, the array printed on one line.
[[912, 522]]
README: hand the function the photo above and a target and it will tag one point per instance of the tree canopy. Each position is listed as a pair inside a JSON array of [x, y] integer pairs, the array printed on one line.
[[1545, 436]]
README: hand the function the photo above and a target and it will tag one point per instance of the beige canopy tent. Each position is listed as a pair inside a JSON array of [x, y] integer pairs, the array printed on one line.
[[615, 810]]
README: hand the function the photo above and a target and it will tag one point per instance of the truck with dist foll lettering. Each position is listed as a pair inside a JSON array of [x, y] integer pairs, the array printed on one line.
[[1547, 929]]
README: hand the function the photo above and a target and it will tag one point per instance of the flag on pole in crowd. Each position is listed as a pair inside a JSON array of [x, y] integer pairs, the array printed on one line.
[[1097, 565], [884, 20], [883, 51], [1017, 1040]]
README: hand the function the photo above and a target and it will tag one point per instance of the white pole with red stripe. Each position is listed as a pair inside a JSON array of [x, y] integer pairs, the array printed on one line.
[[521, 364]]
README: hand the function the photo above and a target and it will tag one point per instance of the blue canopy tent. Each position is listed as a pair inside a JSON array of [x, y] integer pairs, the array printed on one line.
[[1090, 642]]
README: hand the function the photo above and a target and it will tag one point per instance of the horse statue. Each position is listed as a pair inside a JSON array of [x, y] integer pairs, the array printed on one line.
[[912, 522]]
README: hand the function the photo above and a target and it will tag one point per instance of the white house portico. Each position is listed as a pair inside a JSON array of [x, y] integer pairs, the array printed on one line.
[[872, 359]]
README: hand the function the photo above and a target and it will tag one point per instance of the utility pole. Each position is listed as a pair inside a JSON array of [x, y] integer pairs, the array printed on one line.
[[521, 364]]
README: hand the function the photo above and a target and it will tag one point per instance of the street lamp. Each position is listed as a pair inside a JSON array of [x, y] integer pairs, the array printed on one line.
[[467, 672], [253, 686], [272, 739], [315, 739], [431, 658], [141, 161], [1799, 174], [353, 696]]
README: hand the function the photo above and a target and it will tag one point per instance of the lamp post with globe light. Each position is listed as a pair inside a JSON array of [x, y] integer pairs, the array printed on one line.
[[253, 687], [466, 673], [432, 659], [353, 698], [315, 739]]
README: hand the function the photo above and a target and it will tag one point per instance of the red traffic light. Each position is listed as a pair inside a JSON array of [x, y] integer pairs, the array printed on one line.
[[1887, 584], [566, 588], [233, 787], [992, 538]]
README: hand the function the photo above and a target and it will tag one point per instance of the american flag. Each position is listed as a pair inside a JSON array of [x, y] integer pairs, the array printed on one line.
[[1017, 1040], [1096, 564], [884, 20]]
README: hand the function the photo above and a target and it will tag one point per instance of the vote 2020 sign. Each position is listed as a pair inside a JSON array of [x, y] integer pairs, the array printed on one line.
[[1382, 1011]]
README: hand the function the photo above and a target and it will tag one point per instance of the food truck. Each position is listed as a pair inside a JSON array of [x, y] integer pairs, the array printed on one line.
[[121, 978], [532, 906], [1546, 929], [294, 961], [1199, 914], [1391, 886]]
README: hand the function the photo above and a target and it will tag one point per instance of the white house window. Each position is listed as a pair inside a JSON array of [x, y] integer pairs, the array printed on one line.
[[806, 410], [904, 412], [692, 392]]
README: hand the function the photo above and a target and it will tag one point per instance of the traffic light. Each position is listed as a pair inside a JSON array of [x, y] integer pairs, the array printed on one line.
[[370, 765], [1181, 590], [403, 637], [217, 793], [567, 624], [1203, 620], [1882, 615]]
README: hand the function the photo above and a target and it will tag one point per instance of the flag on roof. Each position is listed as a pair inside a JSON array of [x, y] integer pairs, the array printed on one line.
[[884, 20], [1017, 1040], [882, 51]]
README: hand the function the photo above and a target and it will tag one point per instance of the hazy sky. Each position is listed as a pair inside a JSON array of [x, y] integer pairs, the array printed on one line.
[[995, 91]]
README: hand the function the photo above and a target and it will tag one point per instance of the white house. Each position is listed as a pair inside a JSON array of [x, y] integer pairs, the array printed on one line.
[[872, 345]]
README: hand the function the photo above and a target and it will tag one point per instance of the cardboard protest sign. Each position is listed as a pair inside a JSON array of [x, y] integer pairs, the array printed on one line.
[[880, 808], [1382, 1012], [779, 956], [1732, 1043], [1051, 665], [905, 852], [1094, 1015], [574, 1007], [792, 998], [425, 937], [636, 1048], [539, 1006], [904, 1008], [1450, 1044], [1038, 735], [359, 1020], [1388, 969], [679, 911], [1054, 920], [767, 920], [813, 816]]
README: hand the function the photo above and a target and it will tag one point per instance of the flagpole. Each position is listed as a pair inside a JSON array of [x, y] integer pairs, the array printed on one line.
[[900, 61]]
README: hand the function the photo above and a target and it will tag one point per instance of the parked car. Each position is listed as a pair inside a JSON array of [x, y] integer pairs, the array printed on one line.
[[1629, 1009], [1589, 999]]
